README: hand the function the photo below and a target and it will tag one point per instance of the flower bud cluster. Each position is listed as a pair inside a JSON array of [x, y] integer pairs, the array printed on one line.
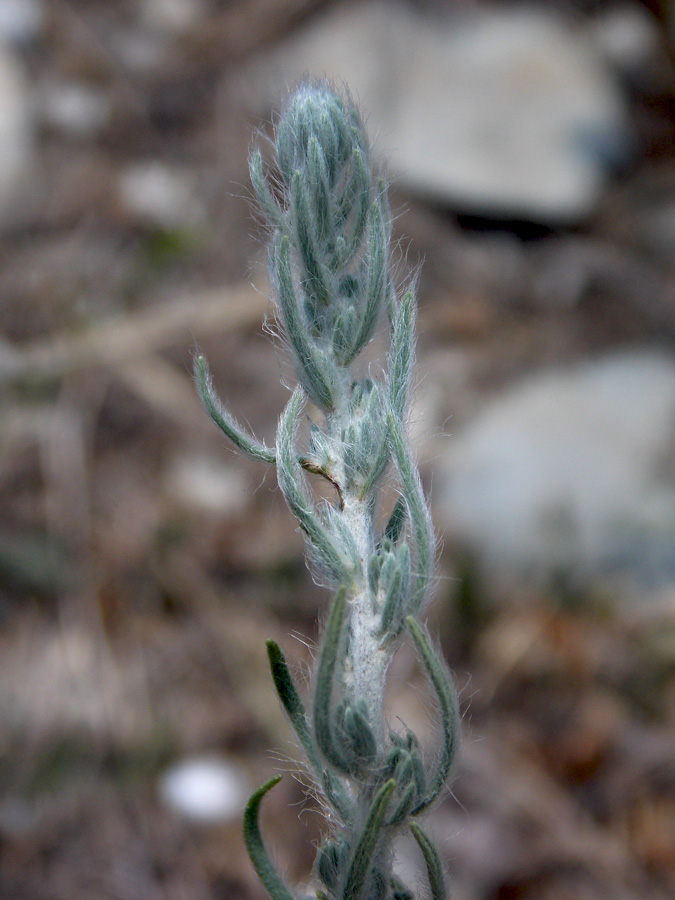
[[328, 258]]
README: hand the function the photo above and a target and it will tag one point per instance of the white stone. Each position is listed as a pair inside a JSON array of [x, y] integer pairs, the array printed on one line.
[[141, 50], [501, 111], [75, 109], [21, 20], [206, 484], [570, 470], [158, 194], [627, 35], [16, 137], [172, 16], [204, 789]]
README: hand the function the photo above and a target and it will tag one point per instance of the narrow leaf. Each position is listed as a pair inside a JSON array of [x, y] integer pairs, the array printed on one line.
[[262, 191], [396, 522], [327, 864], [318, 176], [358, 192], [403, 806], [377, 465], [434, 865], [377, 280], [337, 795], [323, 691], [360, 734], [365, 848], [316, 277], [413, 494], [392, 607], [223, 419], [256, 849], [447, 702], [291, 701], [290, 482], [311, 366], [402, 353]]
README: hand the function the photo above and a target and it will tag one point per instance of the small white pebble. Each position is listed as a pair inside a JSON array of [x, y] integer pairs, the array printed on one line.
[[157, 194], [207, 485], [75, 109], [204, 789]]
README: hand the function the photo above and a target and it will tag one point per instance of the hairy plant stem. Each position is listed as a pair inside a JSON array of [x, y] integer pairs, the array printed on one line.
[[330, 270], [367, 663]]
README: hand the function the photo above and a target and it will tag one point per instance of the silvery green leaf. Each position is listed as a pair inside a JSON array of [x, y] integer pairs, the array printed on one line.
[[263, 194], [366, 846], [291, 483], [434, 866], [418, 512], [225, 420], [256, 849], [323, 689], [402, 354], [448, 707], [314, 367]]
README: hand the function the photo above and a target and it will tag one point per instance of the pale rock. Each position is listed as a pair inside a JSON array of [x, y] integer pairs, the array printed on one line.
[[141, 50], [159, 195], [21, 21], [172, 16], [204, 789], [151, 43], [571, 470], [505, 112], [75, 109], [208, 485], [560, 272], [628, 36]]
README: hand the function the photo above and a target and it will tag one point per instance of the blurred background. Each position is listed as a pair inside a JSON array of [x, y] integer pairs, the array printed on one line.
[[531, 149]]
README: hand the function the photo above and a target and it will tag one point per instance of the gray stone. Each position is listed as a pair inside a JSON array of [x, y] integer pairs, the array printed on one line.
[[628, 36], [159, 195], [571, 470], [74, 109], [21, 21], [172, 17], [502, 112], [207, 485]]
